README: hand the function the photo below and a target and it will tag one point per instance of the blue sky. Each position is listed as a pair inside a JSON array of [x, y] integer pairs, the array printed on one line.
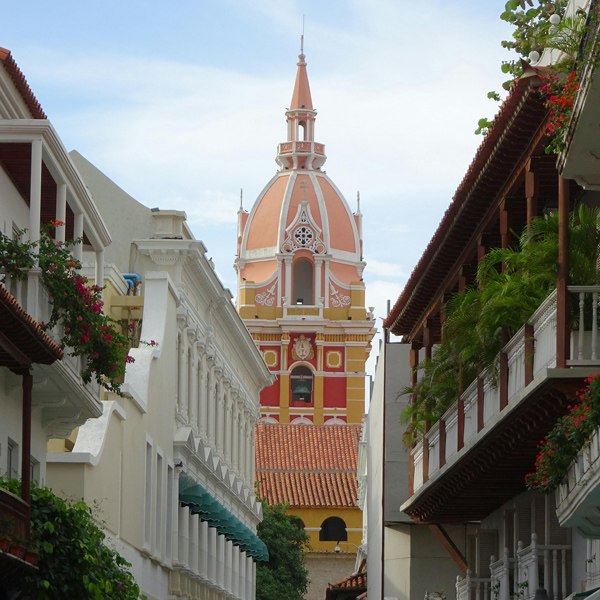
[[182, 104]]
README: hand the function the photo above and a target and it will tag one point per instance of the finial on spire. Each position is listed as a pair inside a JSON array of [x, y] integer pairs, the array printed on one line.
[[358, 203], [241, 198]]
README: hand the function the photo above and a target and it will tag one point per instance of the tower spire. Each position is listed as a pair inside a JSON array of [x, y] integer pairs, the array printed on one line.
[[301, 99]]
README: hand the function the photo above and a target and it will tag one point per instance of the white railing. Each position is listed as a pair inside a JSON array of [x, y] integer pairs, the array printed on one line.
[[501, 571], [473, 588], [543, 566], [34, 299], [515, 356], [544, 328], [470, 407], [584, 342], [522, 366]]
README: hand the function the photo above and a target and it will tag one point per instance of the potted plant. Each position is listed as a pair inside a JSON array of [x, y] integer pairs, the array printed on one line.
[[6, 526], [32, 549], [17, 547]]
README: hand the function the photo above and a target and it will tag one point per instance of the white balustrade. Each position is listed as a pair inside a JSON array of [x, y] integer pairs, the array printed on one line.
[[501, 571], [491, 396], [544, 327], [418, 464], [470, 405], [515, 353], [584, 341], [473, 588], [542, 566], [433, 435], [450, 417]]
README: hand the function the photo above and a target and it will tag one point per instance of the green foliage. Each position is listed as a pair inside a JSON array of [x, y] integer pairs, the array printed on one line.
[[15, 256], [569, 436], [285, 575], [86, 330], [74, 561], [511, 284]]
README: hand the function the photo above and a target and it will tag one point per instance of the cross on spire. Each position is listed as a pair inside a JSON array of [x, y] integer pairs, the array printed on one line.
[[304, 187]]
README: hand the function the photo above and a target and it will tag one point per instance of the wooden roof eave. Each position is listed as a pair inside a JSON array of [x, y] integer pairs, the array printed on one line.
[[416, 302]]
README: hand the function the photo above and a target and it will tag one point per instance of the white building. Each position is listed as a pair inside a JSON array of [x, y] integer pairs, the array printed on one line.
[[38, 182], [171, 464]]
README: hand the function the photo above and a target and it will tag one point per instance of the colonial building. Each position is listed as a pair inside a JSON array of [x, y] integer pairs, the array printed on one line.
[[171, 463], [469, 466], [42, 394], [300, 293]]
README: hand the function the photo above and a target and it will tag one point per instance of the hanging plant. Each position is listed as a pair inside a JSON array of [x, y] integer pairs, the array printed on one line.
[[76, 305]]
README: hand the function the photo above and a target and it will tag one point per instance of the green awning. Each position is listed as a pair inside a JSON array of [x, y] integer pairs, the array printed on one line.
[[200, 502]]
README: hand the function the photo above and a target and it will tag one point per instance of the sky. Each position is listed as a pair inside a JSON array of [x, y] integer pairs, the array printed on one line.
[[182, 105]]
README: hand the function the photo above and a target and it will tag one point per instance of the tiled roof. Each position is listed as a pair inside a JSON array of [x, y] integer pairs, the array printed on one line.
[[22, 337], [21, 84], [307, 465], [355, 583]]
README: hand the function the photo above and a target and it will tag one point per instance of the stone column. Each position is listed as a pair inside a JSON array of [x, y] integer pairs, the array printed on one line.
[[99, 269], [318, 277], [35, 191], [202, 413], [183, 378], [193, 394], [78, 233], [228, 423], [212, 404], [61, 211], [288, 279], [279, 280], [220, 414], [236, 433]]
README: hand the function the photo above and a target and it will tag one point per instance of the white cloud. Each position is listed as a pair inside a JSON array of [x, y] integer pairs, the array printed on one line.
[[384, 269]]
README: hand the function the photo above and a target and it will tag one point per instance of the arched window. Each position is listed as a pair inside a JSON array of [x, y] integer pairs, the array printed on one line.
[[333, 529], [301, 384], [303, 282]]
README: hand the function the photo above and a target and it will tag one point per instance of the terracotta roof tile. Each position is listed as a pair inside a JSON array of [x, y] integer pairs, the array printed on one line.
[[308, 465], [21, 84], [23, 332], [355, 583]]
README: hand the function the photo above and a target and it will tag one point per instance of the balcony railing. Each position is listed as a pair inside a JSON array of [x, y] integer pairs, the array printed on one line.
[[301, 146], [301, 311], [34, 299], [13, 507], [473, 588], [526, 356], [535, 566]]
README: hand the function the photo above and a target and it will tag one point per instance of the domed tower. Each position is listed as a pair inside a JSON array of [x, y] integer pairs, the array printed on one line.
[[300, 290]]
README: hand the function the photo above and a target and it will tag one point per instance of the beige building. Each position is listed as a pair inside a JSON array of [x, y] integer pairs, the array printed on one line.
[[171, 464]]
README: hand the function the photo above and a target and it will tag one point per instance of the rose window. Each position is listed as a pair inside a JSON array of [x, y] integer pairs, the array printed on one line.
[[303, 236]]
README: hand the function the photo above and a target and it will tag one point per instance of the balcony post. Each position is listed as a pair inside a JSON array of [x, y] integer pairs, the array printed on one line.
[[529, 349], [503, 376], [78, 233], [61, 211], [442, 443], [460, 425], [35, 191], [532, 190], [26, 438], [99, 269], [562, 294], [505, 591], [426, 452], [411, 473], [480, 404]]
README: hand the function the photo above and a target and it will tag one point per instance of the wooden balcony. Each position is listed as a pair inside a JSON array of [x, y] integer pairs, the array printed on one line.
[[476, 457], [18, 510]]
